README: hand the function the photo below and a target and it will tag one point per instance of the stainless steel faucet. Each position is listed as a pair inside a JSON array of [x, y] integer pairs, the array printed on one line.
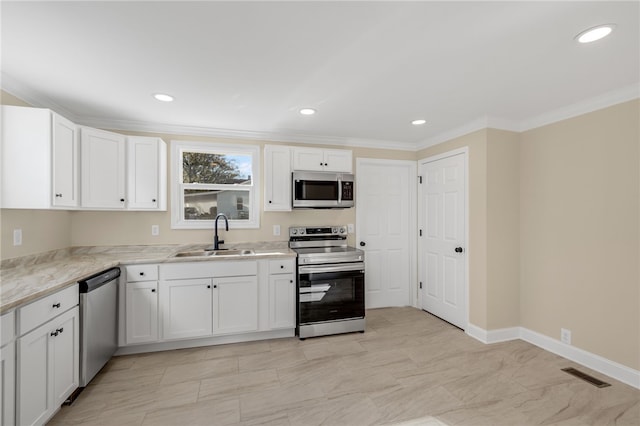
[[216, 242]]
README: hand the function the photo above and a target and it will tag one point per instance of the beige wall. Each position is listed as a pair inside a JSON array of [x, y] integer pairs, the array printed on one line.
[[503, 229], [579, 221], [477, 244]]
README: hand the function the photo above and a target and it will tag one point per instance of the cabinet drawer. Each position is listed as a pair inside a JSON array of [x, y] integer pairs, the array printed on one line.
[[7, 327], [142, 273], [48, 307], [213, 269], [284, 266]]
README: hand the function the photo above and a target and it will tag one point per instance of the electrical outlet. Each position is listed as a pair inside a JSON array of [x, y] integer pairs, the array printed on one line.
[[155, 230], [17, 237], [276, 230], [350, 228], [565, 336]]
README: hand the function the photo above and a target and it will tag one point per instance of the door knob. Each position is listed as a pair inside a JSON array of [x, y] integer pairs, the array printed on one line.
[[362, 244], [459, 250]]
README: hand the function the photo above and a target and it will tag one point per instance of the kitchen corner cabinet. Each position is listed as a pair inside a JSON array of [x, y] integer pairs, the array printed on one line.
[[323, 160], [102, 169], [141, 304], [48, 356], [7, 369], [146, 173], [277, 182], [39, 159]]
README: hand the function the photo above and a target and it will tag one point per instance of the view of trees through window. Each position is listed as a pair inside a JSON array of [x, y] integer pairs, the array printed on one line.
[[222, 184]]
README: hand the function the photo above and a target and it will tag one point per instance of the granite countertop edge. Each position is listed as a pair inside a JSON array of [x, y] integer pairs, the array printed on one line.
[[27, 279]]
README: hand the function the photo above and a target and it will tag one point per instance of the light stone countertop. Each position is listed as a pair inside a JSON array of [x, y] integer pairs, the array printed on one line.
[[23, 280]]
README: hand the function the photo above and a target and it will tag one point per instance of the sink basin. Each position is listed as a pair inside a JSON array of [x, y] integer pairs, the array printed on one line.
[[208, 253], [234, 252]]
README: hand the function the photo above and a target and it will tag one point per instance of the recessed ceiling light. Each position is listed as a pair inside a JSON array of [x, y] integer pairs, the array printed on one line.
[[307, 111], [163, 97], [595, 33], [419, 122]]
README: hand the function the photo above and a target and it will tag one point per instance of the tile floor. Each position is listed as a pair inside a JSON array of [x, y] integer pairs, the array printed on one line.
[[409, 368]]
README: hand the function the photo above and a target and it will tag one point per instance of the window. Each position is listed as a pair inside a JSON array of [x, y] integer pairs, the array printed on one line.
[[211, 178]]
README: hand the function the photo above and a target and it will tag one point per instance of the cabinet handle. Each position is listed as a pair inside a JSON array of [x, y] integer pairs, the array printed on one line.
[[291, 281], [58, 195], [60, 330], [122, 200], [208, 286], [215, 286], [56, 305], [154, 200], [281, 266], [321, 164], [325, 164], [153, 290], [269, 201], [142, 274], [54, 333]]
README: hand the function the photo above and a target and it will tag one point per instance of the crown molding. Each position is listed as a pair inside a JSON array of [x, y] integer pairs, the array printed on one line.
[[605, 100], [175, 129], [37, 99]]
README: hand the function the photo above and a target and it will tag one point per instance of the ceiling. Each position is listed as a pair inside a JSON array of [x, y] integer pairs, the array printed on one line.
[[369, 68]]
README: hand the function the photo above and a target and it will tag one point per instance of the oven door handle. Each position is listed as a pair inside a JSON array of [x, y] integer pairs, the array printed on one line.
[[317, 269], [316, 288]]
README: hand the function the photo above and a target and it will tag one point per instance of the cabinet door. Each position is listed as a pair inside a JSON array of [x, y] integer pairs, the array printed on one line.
[[282, 301], [103, 169], [34, 383], [65, 353], [143, 173], [338, 160], [308, 159], [277, 186], [235, 304], [65, 162], [186, 307], [8, 384], [141, 316]]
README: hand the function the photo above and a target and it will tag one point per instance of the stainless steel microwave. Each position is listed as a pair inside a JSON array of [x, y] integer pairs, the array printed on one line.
[[322, 190]]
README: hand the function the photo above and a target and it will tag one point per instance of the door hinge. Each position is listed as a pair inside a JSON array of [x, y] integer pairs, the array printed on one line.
[[420, 179], [420, 285]]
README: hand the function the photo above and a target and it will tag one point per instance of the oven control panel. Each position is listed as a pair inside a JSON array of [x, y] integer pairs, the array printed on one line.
[[318, 231]]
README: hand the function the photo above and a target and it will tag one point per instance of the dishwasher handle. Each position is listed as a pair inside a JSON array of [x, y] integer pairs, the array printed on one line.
[[98, 280]]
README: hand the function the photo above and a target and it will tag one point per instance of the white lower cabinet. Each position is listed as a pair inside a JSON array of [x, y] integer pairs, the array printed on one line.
[[282, 301], [48, 367], [7, 369], [141, 312], [235, 305], [186, 308]]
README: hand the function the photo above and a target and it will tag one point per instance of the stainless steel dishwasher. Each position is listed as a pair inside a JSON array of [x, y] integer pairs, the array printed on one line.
[[98, 322]]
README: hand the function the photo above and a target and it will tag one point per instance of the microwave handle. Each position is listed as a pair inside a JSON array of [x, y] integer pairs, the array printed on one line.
[[339, 190]]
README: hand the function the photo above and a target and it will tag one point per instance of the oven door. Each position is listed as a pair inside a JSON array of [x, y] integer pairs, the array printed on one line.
[[330, 292]]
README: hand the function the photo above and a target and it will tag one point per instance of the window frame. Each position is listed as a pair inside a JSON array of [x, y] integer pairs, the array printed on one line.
[[177, 186]]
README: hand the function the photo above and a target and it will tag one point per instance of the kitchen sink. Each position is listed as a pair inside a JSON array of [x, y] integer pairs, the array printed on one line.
[[210, 253]]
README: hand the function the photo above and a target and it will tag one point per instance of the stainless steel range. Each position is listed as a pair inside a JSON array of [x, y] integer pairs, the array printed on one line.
[[330, 281]]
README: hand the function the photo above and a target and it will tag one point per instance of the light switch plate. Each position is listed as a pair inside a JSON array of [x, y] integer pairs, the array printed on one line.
[[17, 237], [155, 230], [350, 228], [276, 230]]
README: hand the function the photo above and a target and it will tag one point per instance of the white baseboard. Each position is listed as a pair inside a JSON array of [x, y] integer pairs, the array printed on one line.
[[590, 360]]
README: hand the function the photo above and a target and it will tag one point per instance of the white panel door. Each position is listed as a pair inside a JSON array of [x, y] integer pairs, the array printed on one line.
[[102, 169], [186, 308], [8, 384], [235, 304], [65, 353], [442, 254], [282, 301], [65, 162], [386, 229], [34, 379], [308, 159], [338, 160]]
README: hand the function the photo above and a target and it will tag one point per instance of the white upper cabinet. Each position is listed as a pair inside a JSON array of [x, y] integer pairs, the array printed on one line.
[[65, 162], [103, 169], [39, 159], [277, 182], [146, 173], [324, 160]]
